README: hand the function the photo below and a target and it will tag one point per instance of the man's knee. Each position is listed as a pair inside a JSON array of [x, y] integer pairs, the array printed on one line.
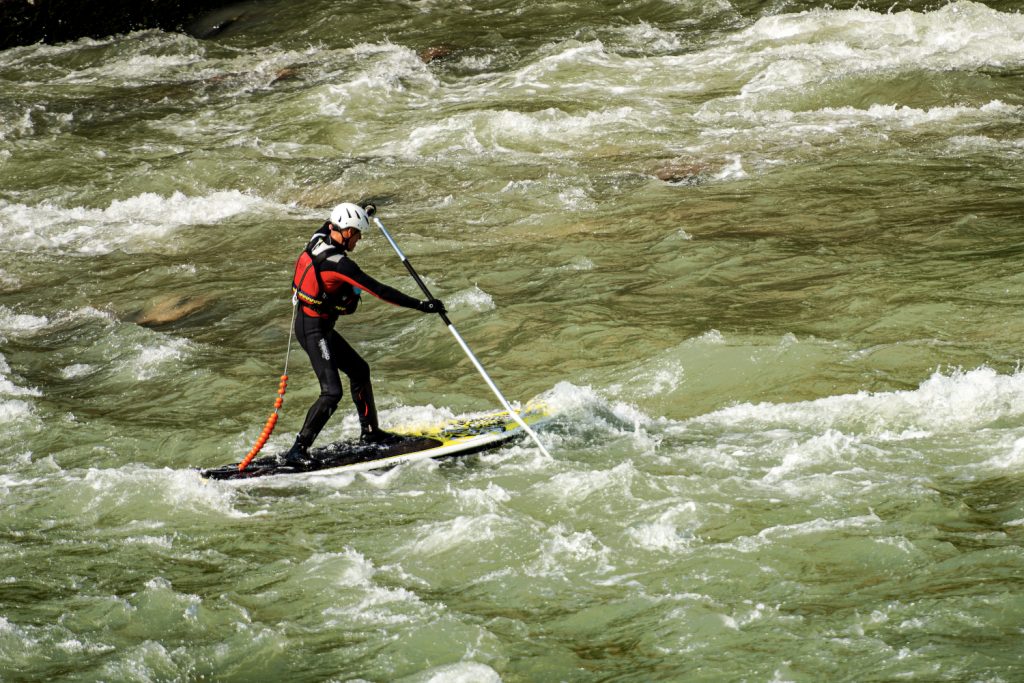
[[358, 371], [330, 397]]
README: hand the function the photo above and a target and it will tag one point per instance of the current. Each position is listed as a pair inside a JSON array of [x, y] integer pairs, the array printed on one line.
[[762, 256]]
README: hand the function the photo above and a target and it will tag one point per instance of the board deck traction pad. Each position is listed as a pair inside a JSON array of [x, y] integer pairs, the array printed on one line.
[[456, 437]]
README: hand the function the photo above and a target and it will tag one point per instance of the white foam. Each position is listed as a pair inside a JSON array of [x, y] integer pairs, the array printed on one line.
[[566, 397], [480, 501], [156, 541], [24, 56], [19, 126], [960, 144], [9, 388], [13, 629], [569, 552], [374, 70], [576, 199], [733, 171], [910, 117], [474, 63], [575, 487], [77, 370], [465, 530], [460, 672], [27, 325], [1011, 459], [175, 491], [412, 418], [444, 202], [830, 121], [503, 131], [663, 378], [568, 400], [95, 648], [570, 55], [151, 359], [650, 38], [793, 50], [20, 324], [945, 403], [826, 447], [13, 412], [388, 68], [474, 298], [348, 568], [769, 536], [781, 53], [135, 69], [520, 186], [138, 224], [711, 337], [578, 263], [371, 603], [147, 661], [672, 530]]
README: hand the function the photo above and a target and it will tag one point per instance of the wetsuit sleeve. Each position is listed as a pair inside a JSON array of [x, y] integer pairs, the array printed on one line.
[[348, 271]]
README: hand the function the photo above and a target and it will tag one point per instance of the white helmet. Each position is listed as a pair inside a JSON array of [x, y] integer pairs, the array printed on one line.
[[349, 215]]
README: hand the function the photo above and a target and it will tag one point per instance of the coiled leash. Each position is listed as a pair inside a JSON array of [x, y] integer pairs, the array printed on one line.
[[268, 428]]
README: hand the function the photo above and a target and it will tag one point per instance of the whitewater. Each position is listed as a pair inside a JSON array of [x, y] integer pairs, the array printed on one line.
[[762, 260]]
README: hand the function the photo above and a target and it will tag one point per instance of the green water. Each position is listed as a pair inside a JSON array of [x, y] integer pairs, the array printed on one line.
[[762, 258]]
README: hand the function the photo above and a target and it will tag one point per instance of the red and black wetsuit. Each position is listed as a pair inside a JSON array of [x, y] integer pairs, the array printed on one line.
[[328, 284]]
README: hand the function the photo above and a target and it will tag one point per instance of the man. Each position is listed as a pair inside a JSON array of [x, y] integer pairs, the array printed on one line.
[[328, 284]]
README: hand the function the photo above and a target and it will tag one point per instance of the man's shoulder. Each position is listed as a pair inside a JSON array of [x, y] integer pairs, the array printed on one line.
[[336, 259], [321, 235]]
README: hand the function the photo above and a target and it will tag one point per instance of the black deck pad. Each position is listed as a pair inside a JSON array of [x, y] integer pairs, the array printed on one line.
[[334, 455]]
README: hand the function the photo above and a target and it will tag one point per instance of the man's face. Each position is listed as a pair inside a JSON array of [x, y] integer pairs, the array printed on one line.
[[349, 237]]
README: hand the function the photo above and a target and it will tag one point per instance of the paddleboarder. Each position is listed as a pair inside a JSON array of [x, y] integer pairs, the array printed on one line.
[[329, 284]]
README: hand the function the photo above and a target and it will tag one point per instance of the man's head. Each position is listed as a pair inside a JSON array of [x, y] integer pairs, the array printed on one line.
[[348, 221]]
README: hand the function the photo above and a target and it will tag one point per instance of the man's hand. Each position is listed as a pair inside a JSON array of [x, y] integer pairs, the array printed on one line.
[[433, 306]]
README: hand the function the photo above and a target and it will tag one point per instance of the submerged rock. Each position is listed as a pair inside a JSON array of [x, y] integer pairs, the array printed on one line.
[[682, 172], [436, 52], [169, 309], [288, 73]]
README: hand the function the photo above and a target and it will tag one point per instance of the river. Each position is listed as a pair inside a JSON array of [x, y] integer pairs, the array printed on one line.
[[761, 257]]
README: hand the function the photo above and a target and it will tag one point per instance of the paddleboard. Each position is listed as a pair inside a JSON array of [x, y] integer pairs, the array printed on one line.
[[456, 437]]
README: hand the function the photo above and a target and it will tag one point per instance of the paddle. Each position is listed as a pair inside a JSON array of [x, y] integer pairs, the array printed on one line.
[[458, 337]]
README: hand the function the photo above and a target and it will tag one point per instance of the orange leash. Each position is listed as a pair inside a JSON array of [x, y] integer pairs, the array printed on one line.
[[268, 428]]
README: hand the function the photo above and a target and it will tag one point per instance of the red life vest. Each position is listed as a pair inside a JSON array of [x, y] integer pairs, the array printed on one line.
[[308, 285]]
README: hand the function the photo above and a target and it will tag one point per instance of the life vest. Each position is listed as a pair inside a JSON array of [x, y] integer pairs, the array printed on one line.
[[308, 285]]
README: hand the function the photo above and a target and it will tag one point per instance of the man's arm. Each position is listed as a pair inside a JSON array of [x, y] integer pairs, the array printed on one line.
[[347, 271]]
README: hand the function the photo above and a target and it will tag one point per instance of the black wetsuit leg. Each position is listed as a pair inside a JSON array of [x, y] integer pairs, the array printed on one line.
[[329, 353]]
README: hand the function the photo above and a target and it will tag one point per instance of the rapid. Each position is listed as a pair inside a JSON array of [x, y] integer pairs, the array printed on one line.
[[762, 257]]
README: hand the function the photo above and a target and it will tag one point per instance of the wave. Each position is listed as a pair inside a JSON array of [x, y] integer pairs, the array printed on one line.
[[804, 49], [959, 402], [139, 224]]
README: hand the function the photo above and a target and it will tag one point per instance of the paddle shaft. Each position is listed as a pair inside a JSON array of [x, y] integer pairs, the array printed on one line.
[[462, 342]]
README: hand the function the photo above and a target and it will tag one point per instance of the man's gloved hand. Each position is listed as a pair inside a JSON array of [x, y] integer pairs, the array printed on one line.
[[433, 306], [369, 207]]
